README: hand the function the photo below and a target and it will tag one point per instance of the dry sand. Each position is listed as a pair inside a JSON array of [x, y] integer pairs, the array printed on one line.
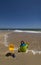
[[21, 58]]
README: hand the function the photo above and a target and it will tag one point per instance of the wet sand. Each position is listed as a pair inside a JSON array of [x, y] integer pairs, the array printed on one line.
[[21, 58], [34, 39]]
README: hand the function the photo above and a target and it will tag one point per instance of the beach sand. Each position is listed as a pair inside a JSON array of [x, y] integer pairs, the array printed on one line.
[[21, 58]]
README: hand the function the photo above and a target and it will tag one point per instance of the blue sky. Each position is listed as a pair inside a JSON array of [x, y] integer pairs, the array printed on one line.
[[20, 13]]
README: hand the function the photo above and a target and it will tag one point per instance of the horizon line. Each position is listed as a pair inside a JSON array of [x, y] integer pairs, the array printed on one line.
[[20, 28]]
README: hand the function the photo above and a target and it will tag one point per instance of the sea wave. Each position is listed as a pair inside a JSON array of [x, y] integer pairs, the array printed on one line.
[[27, 31], [34, 51]]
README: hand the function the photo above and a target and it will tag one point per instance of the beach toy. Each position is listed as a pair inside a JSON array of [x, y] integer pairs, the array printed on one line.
[[11, 49], [27, 43], [10, 54], [23, 47]]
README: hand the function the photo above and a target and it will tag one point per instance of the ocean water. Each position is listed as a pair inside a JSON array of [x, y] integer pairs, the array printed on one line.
[[20, 30], [28, 31]]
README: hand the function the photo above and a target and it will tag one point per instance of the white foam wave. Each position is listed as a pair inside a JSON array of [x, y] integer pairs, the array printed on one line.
[[18, 31], [33, 51], [27, 31], [15, 48], [5, 40]]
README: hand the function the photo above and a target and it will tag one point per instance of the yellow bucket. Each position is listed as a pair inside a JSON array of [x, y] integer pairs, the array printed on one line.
[[11, 47]]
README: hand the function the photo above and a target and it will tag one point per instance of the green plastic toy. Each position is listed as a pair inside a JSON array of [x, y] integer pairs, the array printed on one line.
[[23, 47]]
